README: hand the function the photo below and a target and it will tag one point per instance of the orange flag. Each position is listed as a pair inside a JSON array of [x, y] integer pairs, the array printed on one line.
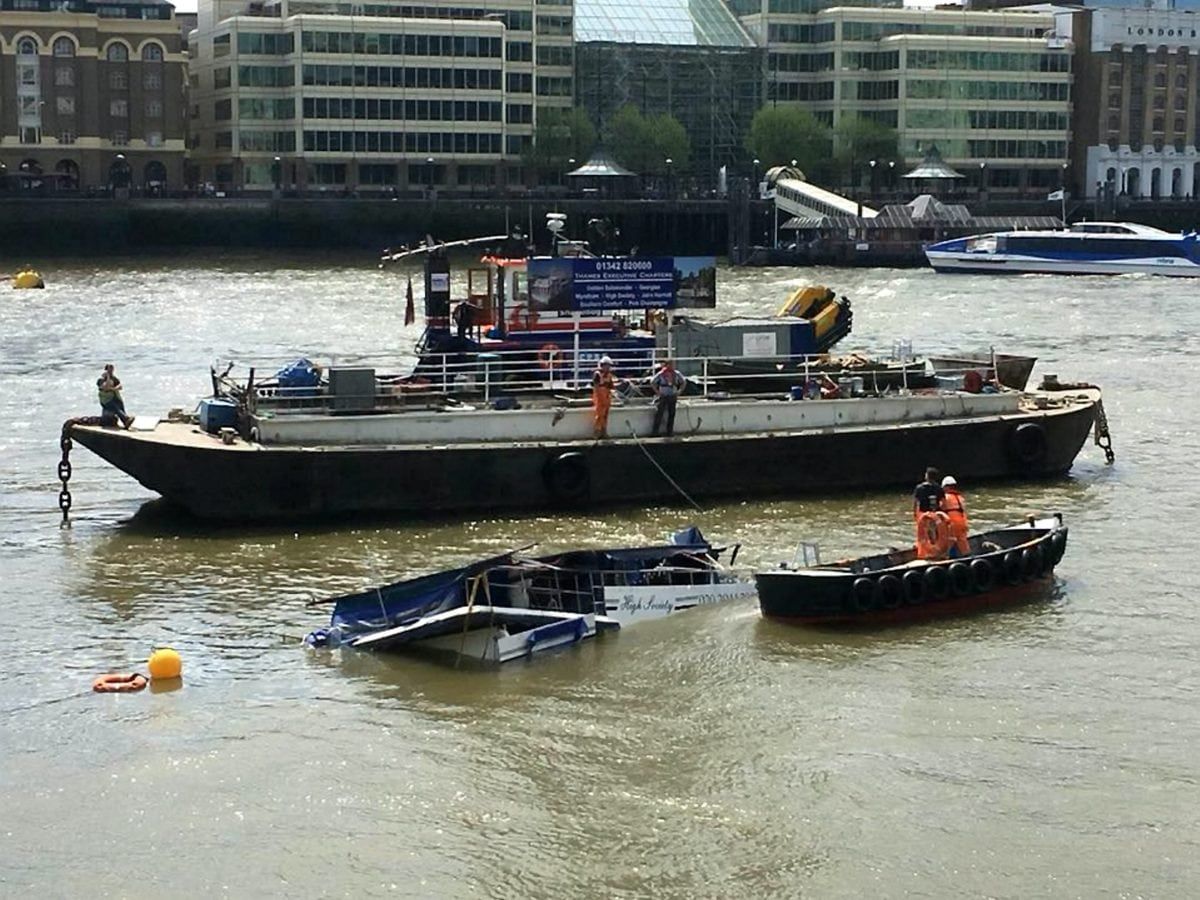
[[410, 313]]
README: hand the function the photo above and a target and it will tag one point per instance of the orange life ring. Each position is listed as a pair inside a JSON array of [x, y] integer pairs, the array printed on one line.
[[119, 683], [522, 317], [933, 535], [549, 355]]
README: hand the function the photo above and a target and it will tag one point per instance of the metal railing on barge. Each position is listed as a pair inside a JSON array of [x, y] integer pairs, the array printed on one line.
[[502, 379]]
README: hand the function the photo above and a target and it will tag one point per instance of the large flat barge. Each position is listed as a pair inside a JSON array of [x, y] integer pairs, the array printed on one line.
[[454, 460]]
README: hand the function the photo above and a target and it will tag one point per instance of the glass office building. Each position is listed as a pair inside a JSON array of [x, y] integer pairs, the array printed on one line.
[[692, 59], [992, 90], [373, 96]]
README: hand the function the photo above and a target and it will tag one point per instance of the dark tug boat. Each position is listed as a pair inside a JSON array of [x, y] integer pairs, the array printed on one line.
[[1002, 566]]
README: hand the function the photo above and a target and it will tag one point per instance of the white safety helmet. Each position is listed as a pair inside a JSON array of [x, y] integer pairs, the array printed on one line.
[[606, 360], [949, 481]]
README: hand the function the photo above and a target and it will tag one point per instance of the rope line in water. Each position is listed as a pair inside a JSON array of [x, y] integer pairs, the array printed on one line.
[[654, 461]]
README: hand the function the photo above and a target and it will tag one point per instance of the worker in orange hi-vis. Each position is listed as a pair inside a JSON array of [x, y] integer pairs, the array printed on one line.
[[603, 383], [955, 508]]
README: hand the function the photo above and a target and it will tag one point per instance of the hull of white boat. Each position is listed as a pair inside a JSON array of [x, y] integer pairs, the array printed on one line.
[[998, 264]]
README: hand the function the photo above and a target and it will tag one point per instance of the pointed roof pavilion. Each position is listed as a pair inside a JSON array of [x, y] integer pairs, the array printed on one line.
[[933, 167]]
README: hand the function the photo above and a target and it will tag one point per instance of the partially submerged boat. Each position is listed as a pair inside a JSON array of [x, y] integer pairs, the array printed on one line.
[[1002, 566], [512, 605]]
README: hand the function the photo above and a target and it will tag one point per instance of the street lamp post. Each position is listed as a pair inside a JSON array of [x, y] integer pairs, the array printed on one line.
[[277, 173], [429, 175], [983, 180], [669, 161], [873, 163], [756, 162]]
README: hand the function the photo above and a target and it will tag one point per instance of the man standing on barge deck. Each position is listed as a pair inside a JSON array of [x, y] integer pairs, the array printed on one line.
[[108, 387], [602, 388], [667, 384]]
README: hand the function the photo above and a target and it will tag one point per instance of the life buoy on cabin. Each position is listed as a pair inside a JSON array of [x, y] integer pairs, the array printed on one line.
[[933, 535], [549, 356], [119, 683], [522, 317]]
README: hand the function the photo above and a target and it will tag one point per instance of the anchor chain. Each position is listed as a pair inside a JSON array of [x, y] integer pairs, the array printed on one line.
[[1102, 436], [64, 473]]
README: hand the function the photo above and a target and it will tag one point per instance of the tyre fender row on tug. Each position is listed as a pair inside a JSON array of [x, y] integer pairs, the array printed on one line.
[[961, 578]]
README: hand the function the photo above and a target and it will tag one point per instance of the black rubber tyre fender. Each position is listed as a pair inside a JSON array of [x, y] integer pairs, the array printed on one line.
[[937, 583], [1027, 446], [914, 587], [983, 575], [1013, 572], [891, 591], [864, 595], [1058, 546], [961, 581], [1031, 562], [568, 477]]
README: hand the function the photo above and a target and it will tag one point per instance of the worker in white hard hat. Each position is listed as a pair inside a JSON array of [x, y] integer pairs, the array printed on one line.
[[603, 383], [955, 508]]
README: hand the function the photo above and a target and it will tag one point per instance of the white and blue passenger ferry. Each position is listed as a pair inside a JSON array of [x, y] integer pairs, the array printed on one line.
[[1086, 248]]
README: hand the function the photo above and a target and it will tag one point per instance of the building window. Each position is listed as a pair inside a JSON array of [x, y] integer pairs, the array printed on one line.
[[1179, 125], [221, 78], [30, 105], [223, 110], [118, 108], [67, 137], [1160, 79], [224, 140], [30, 134], [64, 47], [1180, 101], [1160, 102], [154, 139], [1114, 101], [118, 80], [64, 76], [27, 46], [120, 138], [152, 80], [117, 53], [1157, 125], [1180, 80], [29, 75], [154, 109], [1114, 123], [152, 53], [65, 106]]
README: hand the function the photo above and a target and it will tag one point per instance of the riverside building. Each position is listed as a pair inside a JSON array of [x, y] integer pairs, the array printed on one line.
[[428, 94], [992, 90], [1136, 98], [91, 95], [691, 59]]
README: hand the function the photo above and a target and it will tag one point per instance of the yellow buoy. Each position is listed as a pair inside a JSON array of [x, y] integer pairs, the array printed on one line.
[[164, 663], [27, 278]]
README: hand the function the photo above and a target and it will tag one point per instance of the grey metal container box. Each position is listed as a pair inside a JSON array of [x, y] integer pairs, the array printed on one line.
[[351, 389], [733, 339]]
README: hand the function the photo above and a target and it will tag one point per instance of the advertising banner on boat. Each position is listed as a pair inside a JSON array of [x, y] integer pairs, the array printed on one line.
[[650, 282]]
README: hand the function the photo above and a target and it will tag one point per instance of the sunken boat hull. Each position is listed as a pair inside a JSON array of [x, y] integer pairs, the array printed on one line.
[[250, 481], [1004, 567]]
